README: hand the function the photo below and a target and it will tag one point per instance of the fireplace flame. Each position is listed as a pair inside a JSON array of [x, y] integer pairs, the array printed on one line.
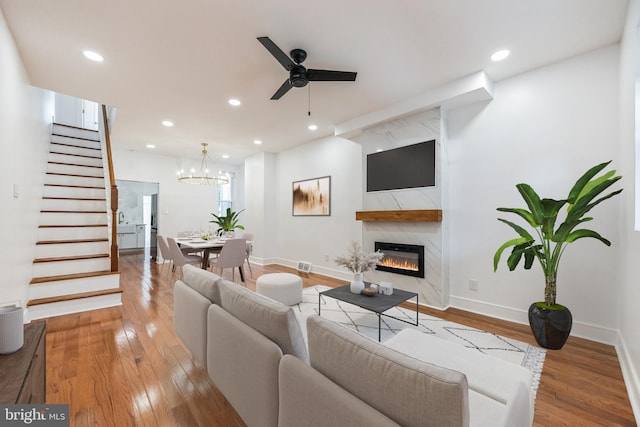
[[403, 264]]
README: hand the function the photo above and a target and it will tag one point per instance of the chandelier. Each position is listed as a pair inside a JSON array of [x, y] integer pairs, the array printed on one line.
[[202, 177]]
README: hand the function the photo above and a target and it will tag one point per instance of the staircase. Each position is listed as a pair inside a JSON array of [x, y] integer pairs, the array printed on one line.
[[72, 266]]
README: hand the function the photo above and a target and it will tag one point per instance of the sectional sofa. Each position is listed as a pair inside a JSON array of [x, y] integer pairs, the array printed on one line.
[[275, 374]]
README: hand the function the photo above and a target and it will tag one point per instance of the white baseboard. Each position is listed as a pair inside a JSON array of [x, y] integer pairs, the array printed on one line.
[[630, 375], [580, 329]]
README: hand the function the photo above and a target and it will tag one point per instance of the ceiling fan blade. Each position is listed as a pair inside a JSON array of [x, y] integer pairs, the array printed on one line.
[[330, 76], [283, 89], [277, 53]]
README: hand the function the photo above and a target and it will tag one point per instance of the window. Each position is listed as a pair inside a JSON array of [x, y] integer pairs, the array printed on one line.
[[225, 195]]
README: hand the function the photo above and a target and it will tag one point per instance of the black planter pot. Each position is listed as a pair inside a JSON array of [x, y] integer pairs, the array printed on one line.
[[550, 328]]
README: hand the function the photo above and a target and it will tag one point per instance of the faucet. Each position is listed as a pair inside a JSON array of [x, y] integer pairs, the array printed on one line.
[[120, 217]]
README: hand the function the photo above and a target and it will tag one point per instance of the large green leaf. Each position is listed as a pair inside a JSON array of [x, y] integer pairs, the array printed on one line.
[[583, 180], [579, 234], [580, 208], [523, 213], [521, 231], [566, 227], [498, 254], [533, 202], [550, 209]]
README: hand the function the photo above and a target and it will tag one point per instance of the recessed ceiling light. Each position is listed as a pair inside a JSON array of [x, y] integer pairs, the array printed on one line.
[[93, 56], [500, 55], [313, 127], [167, 123], [151, 146], [257, 142], [234, 102], [225, 156]]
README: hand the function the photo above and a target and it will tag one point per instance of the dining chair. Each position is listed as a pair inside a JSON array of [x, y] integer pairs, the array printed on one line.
[[232, 255], [165, 253], [179, 258], [249, 238]]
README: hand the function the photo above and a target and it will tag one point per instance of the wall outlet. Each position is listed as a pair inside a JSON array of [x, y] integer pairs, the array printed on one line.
[[473, 284]]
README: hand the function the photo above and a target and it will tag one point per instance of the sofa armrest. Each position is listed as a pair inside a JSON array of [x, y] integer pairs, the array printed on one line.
[[190, 309], [504, 383], [309, 399]]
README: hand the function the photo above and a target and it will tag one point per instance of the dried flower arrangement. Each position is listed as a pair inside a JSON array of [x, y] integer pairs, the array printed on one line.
[[357, 261]]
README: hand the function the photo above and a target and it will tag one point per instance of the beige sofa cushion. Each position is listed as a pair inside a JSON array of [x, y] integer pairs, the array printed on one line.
[[409, 391], [272, 319], [203, 281], [309, 399]]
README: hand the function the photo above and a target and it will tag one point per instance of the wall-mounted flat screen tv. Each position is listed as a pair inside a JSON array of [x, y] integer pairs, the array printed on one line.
[[411, 166]]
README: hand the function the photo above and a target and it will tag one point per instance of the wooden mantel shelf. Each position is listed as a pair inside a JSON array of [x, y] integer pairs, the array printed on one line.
[[424, 215]]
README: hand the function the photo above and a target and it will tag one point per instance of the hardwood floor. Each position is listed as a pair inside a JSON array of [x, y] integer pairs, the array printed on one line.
[[124, 366]]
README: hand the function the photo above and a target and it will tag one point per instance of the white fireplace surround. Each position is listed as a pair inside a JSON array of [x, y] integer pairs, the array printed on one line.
[[423, 126]]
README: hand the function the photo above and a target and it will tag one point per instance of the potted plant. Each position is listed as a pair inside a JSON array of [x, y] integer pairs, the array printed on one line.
[[551, 322], [227, 224], [358, 261]]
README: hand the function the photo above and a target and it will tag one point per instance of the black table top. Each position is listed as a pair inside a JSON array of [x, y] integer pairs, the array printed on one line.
[[377, 303]]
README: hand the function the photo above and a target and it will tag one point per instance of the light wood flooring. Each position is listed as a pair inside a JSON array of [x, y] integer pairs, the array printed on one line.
[[124, 366]]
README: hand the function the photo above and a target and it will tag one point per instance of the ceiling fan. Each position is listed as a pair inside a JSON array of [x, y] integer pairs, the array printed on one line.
[[299, 76]]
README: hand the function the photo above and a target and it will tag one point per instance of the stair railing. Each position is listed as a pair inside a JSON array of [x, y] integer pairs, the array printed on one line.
[[114, 193]]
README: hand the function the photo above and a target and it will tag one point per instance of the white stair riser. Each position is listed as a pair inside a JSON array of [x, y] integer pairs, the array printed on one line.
[[87, 193], [49, 218], [74, 205], [59, 268], [58, 148], [68, 158], [73, 286], [74, 180], [78, 133], [71, 249], [72, 233], [43, 311], [86, 143], [75, 170]]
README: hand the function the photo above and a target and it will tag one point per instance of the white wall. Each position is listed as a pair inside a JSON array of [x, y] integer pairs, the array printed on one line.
[[181, 206], [545, 127], [318, 239], [629, 291], [25, 117]]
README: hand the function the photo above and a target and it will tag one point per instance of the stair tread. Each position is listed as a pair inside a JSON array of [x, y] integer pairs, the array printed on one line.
[[74, 186], [75, 175], [76, 155], [74, 127], [46, 279], [75, 211], [75, 198], [70, 225], [74, 164], [76, 137], [70, 258], [76, 146], [71, 297], [59, 242]]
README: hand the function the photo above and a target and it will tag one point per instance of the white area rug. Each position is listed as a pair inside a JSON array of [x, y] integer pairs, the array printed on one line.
[[366, 322]]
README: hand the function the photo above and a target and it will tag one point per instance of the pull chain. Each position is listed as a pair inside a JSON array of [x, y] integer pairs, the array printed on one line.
[[309, 105]]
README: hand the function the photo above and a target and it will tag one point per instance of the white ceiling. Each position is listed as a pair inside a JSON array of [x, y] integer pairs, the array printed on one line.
[[182, 61]]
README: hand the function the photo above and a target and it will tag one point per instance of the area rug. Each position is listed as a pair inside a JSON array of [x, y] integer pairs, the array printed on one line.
[[366, 323]]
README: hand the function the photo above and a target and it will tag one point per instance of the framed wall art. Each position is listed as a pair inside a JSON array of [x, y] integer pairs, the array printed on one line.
[[312, 197]]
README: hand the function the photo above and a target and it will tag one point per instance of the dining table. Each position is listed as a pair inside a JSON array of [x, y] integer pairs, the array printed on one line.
[[199, 244]]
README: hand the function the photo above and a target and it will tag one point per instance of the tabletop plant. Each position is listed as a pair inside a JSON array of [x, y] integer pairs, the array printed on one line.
[[229, 222], [543, 239]]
